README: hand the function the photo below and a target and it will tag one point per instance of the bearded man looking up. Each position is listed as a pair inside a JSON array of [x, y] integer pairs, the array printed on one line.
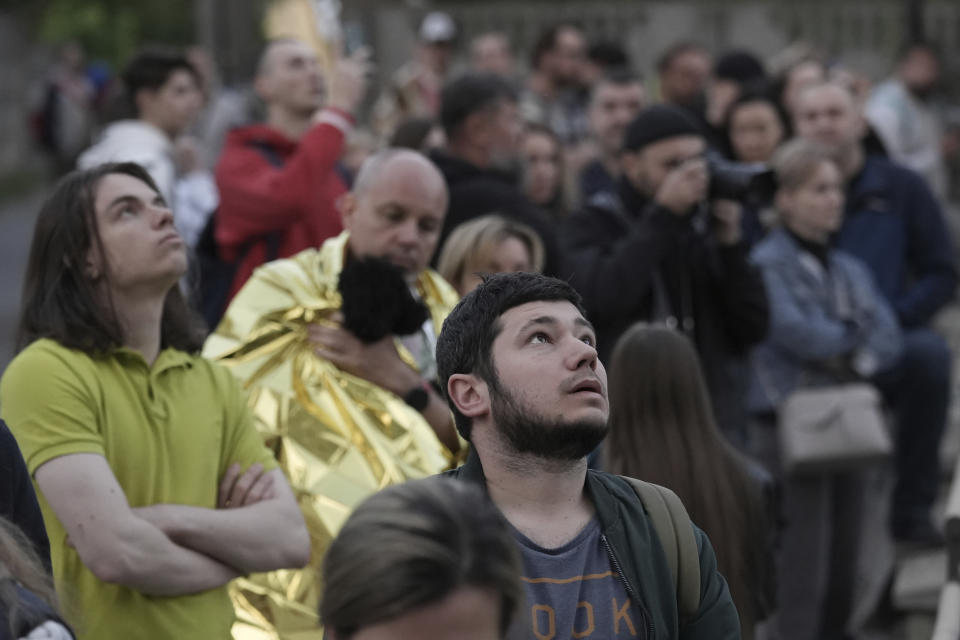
[[530, 394]]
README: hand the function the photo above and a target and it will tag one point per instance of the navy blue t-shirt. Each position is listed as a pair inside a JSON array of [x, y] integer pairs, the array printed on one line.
[[574, 591]]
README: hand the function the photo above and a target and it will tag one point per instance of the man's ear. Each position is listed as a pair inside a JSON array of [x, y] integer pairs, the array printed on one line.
[[469, 394], [263, 87], [346, 204], [143, 100], [91, 264]]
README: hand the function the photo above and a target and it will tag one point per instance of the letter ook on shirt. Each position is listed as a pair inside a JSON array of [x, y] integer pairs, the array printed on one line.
[[574, 591]]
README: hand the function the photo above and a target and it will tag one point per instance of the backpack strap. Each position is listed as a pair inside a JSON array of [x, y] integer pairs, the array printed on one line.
[[673, 527]]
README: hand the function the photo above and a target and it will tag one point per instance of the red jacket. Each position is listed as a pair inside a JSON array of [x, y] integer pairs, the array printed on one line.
[[297, 199]]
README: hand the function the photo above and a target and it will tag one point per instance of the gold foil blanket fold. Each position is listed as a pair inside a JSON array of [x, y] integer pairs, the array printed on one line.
[[338, 438]]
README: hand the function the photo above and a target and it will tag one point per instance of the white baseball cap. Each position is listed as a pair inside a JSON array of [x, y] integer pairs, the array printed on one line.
[[438, 26]]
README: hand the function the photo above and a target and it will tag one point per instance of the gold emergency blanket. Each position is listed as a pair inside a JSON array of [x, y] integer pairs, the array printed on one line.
[[337, 437]]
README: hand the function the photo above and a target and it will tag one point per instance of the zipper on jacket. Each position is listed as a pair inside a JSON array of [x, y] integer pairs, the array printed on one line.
[[644, 615]]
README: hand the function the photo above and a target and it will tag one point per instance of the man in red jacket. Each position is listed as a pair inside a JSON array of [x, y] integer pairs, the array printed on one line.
[[278, 181]]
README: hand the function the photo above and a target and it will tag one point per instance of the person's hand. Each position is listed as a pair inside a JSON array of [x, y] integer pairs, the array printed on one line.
[[348, 79], [377, 362], [241, 490], [684, 187], [186, 154], [727, 213]]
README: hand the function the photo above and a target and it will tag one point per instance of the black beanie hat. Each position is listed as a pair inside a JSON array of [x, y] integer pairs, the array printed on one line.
[[657, 123], [739, 66]]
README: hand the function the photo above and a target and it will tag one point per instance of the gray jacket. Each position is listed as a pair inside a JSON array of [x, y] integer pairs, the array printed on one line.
[[826, 325]]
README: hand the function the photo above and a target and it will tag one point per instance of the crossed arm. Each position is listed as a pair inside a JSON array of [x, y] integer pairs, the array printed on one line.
[[258, 527], [169, 550]]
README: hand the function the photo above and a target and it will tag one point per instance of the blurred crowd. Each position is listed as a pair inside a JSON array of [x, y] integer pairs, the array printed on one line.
[[734, 232]]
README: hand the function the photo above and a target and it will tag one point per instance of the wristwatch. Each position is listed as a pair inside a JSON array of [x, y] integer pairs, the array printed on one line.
[[419, 396]]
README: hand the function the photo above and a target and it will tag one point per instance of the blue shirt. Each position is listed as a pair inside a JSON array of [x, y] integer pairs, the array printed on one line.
[[574, 591]]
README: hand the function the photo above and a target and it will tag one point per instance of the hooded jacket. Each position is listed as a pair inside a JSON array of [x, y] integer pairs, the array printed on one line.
[[296, 199]]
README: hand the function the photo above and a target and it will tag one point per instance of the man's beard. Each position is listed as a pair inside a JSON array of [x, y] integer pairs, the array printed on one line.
[[541, 437]]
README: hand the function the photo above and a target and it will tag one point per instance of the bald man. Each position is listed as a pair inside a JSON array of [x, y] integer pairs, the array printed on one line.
[[279, 180], [346, 417], [895, 225]]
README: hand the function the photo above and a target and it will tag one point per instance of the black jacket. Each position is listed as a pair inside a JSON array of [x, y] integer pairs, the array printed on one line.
[[476, 192], [632, 260], [31, 613], [634, 547], [18, 502]]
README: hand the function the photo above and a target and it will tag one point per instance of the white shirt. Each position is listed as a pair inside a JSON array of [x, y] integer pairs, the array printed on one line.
[[911, 131], [192, 197]]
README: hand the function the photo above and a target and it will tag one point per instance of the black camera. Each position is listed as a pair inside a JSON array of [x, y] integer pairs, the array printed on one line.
[[752, 184]]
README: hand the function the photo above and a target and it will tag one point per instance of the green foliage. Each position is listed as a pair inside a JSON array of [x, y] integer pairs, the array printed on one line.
[[112, 30]]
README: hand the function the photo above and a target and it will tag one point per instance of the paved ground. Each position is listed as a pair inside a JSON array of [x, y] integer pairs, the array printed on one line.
[[16, 228]]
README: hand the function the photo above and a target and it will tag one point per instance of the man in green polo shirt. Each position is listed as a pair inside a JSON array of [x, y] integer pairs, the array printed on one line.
[[156, 491]]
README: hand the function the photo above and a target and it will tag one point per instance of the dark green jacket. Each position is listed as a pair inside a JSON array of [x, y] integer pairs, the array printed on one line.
[[637, 555]]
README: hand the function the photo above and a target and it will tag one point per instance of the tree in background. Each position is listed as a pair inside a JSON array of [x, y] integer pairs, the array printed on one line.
[[111, 30]]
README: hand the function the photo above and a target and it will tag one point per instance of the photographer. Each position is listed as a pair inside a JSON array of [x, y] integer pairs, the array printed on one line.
[[663, 253]]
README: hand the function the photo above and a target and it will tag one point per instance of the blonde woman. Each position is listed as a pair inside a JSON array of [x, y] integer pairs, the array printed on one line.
[[490, 244]]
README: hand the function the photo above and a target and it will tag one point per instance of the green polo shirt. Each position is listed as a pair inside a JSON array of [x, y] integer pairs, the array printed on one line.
[[169, 432]]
